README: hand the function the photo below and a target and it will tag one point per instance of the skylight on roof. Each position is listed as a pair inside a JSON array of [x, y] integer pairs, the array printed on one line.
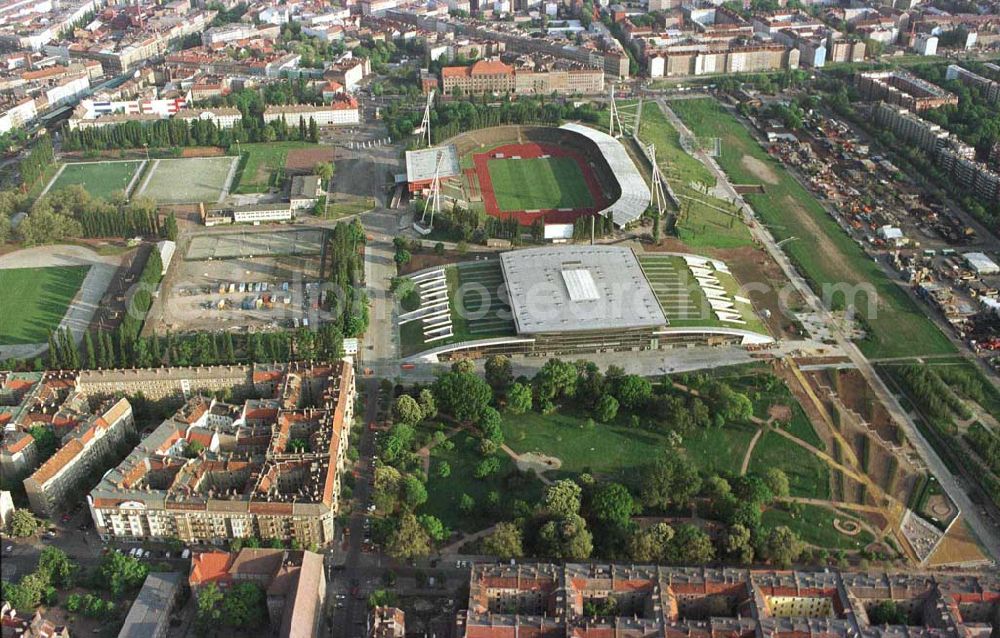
[[580, 285]]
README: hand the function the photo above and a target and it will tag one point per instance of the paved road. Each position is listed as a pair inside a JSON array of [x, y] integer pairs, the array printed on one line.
[[982, 526]]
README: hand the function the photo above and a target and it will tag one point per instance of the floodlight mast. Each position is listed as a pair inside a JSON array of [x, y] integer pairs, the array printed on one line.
[[433, 202], [657, 194], [425, 124]]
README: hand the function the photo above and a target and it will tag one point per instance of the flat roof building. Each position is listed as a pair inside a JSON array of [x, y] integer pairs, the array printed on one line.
[[579, 288], [421, 165], [149, 616]]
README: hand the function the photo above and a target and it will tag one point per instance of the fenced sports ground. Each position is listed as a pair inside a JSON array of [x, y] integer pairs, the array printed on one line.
[[189, 180], [100, 179]]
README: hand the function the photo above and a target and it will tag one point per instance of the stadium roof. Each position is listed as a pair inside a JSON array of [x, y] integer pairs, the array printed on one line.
[[579, 288], [635, 193], [420, 165]]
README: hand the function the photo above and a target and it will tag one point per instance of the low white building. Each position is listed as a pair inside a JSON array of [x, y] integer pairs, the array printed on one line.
[[981, 264], [341, 111], [223, 118]]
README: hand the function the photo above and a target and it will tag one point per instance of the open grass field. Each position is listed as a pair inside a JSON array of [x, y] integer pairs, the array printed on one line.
[[447, 492], [101, 179], [822, 251], [614, 451], [808, 476], [815, 526], [264, 166], [187, 181], [34, 301], [539, 184]]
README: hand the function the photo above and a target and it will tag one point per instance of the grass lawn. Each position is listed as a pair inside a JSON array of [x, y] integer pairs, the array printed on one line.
[[808, 476], [264, 166], [538, 184], [445, 493], [101, 179], [188, 180], [615, 451], [815, 526], [34, 301], [823, 252]]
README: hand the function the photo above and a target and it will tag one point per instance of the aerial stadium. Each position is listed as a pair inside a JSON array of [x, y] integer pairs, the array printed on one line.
[[575, 299], [532, 172]]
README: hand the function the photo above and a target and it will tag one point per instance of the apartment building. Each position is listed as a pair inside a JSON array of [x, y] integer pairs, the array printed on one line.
[[557, 601], [484, 76], [28, 400], [910, 127], [157, 384], [563, 81], [387, 622], [267, 468], [903, 89], [342, 110], [16, 113], [990, 88], [703, 59], [223, 117], [64, 474], [294, 583]]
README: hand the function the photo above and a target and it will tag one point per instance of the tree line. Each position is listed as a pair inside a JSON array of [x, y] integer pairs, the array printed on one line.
[[34, 165]]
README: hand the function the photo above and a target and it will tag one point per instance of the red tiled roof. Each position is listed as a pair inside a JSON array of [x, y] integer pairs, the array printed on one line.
[[58, 461], [491, 67], [209, 567]]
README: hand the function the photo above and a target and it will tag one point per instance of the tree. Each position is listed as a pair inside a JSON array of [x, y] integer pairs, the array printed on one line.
[[566, 538], [613, 505], [56, 566], [491, 425], [169, 230], [121, 573], [776, 481], [406, 410], [518, 398], [443, 469], [606, 408], [245, 605], [324, 170], [466, 503], [555, 379], [690, 546], [209, 614], [563, 499], [464, 395], [651, 545], [738, 544], [22, 524], [505, 542], [434, 527], [498, 372], [428, 406], [716, 488], [753, 489], [410, 540], [782, 546], [887, 612], [673, 480], [632, 391], [381, 598], [414, 492], [486, 467]]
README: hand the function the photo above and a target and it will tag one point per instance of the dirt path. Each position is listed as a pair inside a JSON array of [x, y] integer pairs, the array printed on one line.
[[749, 453], [531, 462], [761, 170], [425, 452], [452, 548]]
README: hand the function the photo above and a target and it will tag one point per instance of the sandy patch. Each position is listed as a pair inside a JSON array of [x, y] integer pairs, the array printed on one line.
[[847, 528], [538, 463], [779, 413], [761, 170]]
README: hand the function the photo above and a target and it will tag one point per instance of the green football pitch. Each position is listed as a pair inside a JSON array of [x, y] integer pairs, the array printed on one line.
[[34, 301], [101, 179], [538, 184]]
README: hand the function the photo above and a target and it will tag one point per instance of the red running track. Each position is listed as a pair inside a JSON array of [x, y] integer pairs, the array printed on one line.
[[532, 151]]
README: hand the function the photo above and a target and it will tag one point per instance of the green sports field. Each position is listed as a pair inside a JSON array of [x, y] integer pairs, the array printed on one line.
[[187, 181], [34, 301], [538, 184], [101, 179]]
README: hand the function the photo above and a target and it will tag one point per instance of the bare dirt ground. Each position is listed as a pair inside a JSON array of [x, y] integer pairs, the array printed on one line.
[[958, 547], [535, 462], [753, 267], [300, 161], [427, 258], [779, 413], [191, 299], [761, 170]]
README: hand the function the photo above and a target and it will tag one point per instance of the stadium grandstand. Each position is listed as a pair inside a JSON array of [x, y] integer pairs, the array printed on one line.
[[570, 299], [422, 164], [634, 192]]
